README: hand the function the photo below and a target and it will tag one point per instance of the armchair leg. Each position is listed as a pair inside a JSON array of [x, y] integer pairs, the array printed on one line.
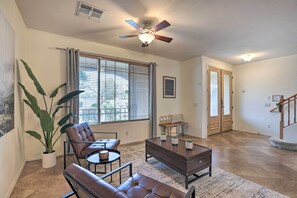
[[65, 157]]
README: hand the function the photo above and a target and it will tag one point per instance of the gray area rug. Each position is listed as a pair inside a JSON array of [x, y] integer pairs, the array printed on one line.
[[221, 184]]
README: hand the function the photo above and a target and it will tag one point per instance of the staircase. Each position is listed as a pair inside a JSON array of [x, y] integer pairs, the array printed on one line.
[[287, 109]]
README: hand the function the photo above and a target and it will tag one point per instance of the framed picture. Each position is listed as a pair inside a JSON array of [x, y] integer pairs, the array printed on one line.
[[7, 63], [169, 88], [276, 98]]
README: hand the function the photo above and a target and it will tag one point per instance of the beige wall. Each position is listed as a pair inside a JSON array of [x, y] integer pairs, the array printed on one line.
[[194, 92], [49, 66], [12, 155], [256, 82], [191, 95]]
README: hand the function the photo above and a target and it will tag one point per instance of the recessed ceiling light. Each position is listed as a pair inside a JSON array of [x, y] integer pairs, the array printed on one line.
[[247, 57]]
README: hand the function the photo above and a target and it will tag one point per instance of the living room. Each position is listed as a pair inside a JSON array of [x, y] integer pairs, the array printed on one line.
[[267, 31]]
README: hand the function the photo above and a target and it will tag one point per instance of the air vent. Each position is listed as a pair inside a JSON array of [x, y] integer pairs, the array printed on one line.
[[88, 11]]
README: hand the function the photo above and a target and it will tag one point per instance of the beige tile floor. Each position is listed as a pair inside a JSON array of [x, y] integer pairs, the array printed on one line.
[[247, 155]]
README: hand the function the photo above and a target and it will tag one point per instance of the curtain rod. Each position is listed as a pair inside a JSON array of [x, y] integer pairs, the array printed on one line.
[[109, 57]]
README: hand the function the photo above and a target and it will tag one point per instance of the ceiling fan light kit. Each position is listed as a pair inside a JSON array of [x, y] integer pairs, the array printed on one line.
[[146, 33], [146, 37]]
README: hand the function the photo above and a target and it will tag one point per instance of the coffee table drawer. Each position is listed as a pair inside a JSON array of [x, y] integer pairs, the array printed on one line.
[[199, 163]]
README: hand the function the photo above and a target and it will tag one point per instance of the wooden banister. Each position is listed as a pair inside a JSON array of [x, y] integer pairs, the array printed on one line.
[[284, 107]]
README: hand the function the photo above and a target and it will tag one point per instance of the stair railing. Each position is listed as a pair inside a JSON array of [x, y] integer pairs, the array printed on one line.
[[284, 107]]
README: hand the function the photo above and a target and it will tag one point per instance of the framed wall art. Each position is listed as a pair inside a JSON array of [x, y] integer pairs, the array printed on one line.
[[7, 62], [276, 98], [169, 87]]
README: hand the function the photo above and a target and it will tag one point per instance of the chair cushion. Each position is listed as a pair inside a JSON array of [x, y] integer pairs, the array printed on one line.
[[80, 133], [141, 186], [111, 144]]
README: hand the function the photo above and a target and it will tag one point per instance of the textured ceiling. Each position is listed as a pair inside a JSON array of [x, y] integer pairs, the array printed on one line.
[[221, 29]]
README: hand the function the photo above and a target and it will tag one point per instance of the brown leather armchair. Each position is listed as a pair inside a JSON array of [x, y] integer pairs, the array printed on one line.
[[83, 141], [86, 184]]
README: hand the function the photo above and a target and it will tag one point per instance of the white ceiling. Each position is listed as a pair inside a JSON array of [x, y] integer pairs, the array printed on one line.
[[220, 29]]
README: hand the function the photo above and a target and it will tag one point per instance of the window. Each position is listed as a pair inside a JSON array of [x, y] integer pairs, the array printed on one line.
[[114, 91]]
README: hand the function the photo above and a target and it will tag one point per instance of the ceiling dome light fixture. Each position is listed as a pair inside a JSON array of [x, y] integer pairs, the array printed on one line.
[[146, 36], [247, 57]]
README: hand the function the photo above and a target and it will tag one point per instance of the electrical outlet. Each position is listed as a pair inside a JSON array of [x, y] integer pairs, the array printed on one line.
[[127, 133], [267, 105]]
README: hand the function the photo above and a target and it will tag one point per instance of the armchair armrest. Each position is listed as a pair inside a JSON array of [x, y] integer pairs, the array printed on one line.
[[85, 142], [78, 142], [190, 193], [108, 132], [119, 169]]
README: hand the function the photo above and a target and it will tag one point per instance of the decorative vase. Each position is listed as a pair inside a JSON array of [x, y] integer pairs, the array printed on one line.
[[163, 137], [49, 160], [174, 140], [189, 144]]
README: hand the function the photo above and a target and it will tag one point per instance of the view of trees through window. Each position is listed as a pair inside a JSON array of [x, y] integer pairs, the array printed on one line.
[[114, 91]]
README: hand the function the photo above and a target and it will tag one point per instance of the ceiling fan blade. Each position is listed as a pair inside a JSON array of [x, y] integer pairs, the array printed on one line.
[[127, 36], [133, 24], [160, 26], [163, 38]]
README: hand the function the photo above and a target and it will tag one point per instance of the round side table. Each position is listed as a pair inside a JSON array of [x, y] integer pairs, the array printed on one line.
[[94, 159]]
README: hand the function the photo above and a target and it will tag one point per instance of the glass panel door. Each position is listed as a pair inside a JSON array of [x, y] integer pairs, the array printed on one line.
[[214, 98], [227, 101], [219, 100]]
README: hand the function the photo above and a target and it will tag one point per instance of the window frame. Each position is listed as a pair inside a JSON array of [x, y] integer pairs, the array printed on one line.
[[130, 63]]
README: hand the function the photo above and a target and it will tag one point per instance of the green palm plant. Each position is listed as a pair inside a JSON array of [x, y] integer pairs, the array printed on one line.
[[47, 116]]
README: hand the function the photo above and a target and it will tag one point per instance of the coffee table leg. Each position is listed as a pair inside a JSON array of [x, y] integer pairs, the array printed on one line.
[[111, 171], [186, 181], [209, 171], [120, 171]]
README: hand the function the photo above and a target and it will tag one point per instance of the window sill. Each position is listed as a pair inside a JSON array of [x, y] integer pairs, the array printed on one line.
[[118, 122]]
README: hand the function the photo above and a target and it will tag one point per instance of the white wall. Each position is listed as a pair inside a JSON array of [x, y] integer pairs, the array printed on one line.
[[256, 82], [194, 92], [191, 95], [49, 65], [12, 155]]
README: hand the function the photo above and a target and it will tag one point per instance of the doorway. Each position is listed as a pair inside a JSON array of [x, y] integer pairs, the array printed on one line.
[[219, 100]]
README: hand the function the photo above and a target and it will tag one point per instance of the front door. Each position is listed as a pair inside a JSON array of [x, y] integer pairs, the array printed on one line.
[[219, 100]]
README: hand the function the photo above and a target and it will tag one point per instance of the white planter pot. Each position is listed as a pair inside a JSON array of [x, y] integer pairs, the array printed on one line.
[[189, 145], [174, 141], [49, 160], [163, 137]]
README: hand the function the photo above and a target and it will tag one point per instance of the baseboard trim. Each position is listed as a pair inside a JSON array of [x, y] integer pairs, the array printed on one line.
[[15, 180], [254, 133]]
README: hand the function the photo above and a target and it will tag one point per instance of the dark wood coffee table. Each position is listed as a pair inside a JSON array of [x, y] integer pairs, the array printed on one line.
[[186, 162]]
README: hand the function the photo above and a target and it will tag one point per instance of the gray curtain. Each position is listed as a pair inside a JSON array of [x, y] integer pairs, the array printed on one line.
[[153, 101], [72, 82]]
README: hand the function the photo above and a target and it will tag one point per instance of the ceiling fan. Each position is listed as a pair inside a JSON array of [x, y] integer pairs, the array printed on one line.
[[146, 33]]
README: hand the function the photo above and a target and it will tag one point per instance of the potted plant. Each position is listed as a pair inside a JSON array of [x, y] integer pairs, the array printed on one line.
[[47, 117], [163, 136], [174, 140], [189, 144], [279, 107]]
